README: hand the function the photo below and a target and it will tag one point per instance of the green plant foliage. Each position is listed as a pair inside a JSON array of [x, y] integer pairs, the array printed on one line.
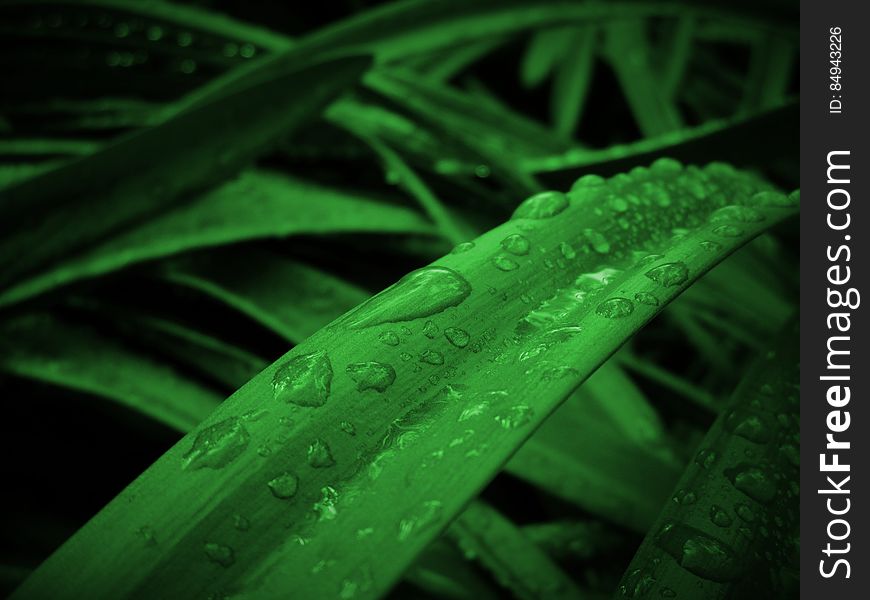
[[401, 299]]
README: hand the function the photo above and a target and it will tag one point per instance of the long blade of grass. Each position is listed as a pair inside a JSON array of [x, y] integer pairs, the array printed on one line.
[[572, 79], [48, 216], [374, 438], [46, 349], [258, 204], [515, 561], [732, 529], [289, 297]]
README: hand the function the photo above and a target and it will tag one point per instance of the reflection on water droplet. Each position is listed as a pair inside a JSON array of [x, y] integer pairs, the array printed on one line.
[[503, 262], [542, 206], [615, 308], [371, 375], [753, 481], [646, 298], [699, 553], [325, 508], [669, 274], [218, 445], [731, 231], [304, 380], [516, 244], [219, 554], [456, 336], [421, 293], [432, 357], [319, 454], [284, 486], [389, 338], [719, 516], [515, 416], [462, 248]]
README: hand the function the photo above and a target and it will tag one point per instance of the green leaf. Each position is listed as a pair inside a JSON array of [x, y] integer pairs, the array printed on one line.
[[87, 199], [258, 204], [732, 528], [373, 440], [44, 348]]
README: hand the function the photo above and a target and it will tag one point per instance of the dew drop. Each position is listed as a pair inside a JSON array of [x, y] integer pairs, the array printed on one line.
[[462, 247], [699, 553], [217, 446], [734, 213], [503, 262], [567, 250], [430, 330], [456, 336], [432, 357], [241, 523], [596, 239], [719, 516], [589, 181], [771, 198], [421, 293], [284, 486], [753, 481], [646, 298], [516, 244], [219, 554], [669, 274], [666, 166], [542, 206], [428, 516], [325, 508], [516, 416], [347, 427], [615, 308], [389, 338], [744, 512], [749, 426], [304, 380], [705, 458], [730, 231], [711, 246], [319, 454], [685, 497], [371, 375]]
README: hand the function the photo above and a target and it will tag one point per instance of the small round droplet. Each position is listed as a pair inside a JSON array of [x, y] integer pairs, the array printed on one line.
[[503, 262], [284, 486], [241, 523], [711, 246], [771, 198], [220, 554], [588, 181], [753, 481], [432, 357], [669, 274], [666, 166], [456, 336], [542, 206], [744, 512], [319, 454], [615, 308], [217, 445], [567, 250], [719, 516], [430, 330], [516, 244], [347, 427]]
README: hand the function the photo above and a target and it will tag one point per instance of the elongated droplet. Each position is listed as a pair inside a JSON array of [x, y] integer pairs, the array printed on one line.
[[516, 244], [462, 247], [731, 231], [319, 455], [699, 553], [421, 293], [284, 486], [515, 416], [720, 517], [646, 298], [220, 554], [503, 262], [597, 240], [304, 380], [755, 482], [371, 375], [615, 308], [456, 336], [542, 206], [218, 445], [430, 330], [669, 274], [427, 516], [734, 213]]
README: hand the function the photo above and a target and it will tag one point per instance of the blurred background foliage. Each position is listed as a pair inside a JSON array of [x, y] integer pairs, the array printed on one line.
[[117, 339]]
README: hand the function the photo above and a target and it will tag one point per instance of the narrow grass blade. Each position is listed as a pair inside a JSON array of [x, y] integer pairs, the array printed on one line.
[[545, 50], [289, 297], [46, 349], [572, 79], [732, 529], [373, 438], [48, 216], [258, 204], [445, 573], [517, 564]]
